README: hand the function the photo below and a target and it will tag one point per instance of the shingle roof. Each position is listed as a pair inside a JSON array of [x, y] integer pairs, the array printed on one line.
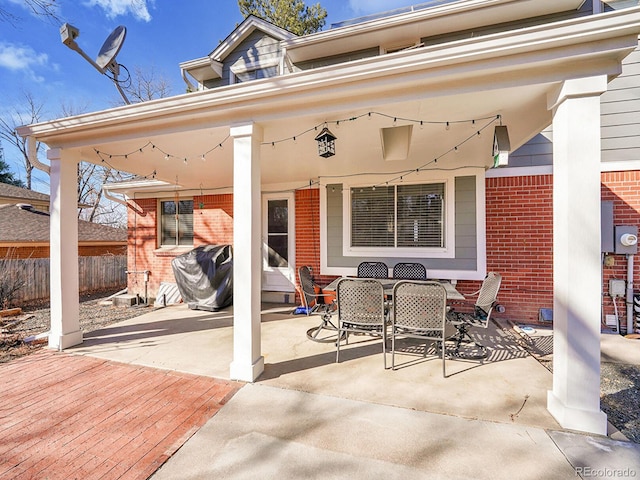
[[21, 194], [23, 225]]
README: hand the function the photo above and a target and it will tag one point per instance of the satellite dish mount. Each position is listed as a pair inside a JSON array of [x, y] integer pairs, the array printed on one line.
[[106, 60]]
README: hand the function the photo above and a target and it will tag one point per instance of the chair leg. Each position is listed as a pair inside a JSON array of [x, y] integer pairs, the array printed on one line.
[[384, 347], [338, 346], [444, 373], [463, 336], [393, 350]]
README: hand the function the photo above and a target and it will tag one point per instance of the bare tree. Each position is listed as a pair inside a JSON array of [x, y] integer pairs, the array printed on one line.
[[147, 84], [32, 112], [46, 9]]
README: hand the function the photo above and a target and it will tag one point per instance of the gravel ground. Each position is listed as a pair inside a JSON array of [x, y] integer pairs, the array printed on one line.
[[36, 320], [619, 396], [619, 383]]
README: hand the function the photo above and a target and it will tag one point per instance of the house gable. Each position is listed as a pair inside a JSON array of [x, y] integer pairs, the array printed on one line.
[[255, 43]]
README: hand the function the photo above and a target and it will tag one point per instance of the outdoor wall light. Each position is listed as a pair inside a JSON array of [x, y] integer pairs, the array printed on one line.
[[501, 146], [326, 143]]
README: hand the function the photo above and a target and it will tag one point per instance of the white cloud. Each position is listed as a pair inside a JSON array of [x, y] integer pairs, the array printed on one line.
[[113, 8], [365, 7], [22, 58]]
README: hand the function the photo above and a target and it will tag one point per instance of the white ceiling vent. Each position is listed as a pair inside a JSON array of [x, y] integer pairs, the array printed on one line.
[[395, 142]]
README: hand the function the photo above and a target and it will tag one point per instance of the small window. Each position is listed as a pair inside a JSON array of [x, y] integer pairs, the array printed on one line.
[[256, 74], [176, 223]]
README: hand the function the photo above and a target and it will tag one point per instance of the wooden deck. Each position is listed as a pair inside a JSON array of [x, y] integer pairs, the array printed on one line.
[[70, 416]]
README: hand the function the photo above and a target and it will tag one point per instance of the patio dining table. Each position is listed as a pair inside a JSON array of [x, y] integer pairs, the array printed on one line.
[[388, 284]]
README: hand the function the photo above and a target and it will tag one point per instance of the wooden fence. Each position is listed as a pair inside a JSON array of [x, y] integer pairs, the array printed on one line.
[[106, 272]]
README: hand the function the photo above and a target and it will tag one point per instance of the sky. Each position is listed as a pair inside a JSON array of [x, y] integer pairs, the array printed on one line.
[[160, 34]]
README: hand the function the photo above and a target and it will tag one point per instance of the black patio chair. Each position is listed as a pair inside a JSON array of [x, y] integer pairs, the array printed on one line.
[[317, 302], [373, 270], [419, 311], [482, 310], [409, 271]]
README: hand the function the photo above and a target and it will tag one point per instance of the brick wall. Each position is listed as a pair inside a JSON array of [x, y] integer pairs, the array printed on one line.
[[519, 220], [520, 243], [623, 188], [212, 224]]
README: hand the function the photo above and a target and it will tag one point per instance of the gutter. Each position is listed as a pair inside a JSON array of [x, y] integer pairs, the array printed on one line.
[[32, 155], [109, 196]]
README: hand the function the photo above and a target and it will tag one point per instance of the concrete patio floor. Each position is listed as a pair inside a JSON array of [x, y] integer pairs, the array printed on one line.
[[308, 417], [510, 387]]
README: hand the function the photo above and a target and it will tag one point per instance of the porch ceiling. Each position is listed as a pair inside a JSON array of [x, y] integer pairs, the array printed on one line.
[[510, 74]]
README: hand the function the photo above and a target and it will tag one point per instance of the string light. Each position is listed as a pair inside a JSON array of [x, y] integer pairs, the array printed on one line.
[[294, 138]]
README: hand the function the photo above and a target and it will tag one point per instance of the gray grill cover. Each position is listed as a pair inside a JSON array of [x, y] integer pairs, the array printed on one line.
[[205, 277]]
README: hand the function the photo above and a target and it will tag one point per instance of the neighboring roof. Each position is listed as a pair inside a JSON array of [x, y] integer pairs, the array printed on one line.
[[24, 225], [19, 194]]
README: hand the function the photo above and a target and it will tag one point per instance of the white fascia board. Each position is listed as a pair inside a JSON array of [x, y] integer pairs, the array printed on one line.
[[135, 185], [446, 18], [202, 68], [612, 35]]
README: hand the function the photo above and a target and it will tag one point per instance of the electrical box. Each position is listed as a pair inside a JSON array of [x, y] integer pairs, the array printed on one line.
[[606, 226], [626, 238], [616, 287]]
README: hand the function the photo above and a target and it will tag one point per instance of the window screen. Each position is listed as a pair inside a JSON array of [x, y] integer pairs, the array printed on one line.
[[177, 223], [398, 216], [256, 74], [372, 217], [420, 215]]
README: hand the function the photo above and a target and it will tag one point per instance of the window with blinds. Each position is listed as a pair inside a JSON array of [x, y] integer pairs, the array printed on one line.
[[398, 216], [176, 222]]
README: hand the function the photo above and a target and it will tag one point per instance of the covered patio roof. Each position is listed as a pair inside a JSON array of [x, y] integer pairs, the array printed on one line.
[[526, 78]]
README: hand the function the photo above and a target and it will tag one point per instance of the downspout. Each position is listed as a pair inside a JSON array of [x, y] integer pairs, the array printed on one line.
[[629, 295], [32, 155], [190, 86]]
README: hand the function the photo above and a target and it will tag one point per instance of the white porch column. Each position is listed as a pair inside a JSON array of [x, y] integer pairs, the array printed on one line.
[[65, 300], [575, 399], [248, 362]]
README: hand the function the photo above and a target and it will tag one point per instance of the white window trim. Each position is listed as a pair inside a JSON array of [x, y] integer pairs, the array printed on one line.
[[290, 197], [251, 66], [159, 222], [481, 240], [448, 251]]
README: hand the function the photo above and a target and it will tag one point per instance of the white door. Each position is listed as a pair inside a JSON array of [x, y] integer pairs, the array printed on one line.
[[278, 242]]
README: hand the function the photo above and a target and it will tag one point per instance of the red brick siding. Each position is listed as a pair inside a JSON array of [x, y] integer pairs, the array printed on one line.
[[213, 219], [623, 188], [212, 224], [308, 234], [519, 220]]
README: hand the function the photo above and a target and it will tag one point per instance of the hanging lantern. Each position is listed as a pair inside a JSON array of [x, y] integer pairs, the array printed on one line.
[[326, 143]]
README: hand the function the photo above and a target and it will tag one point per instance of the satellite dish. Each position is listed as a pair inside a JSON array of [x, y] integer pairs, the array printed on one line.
[[111, 47], [106, 57]]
